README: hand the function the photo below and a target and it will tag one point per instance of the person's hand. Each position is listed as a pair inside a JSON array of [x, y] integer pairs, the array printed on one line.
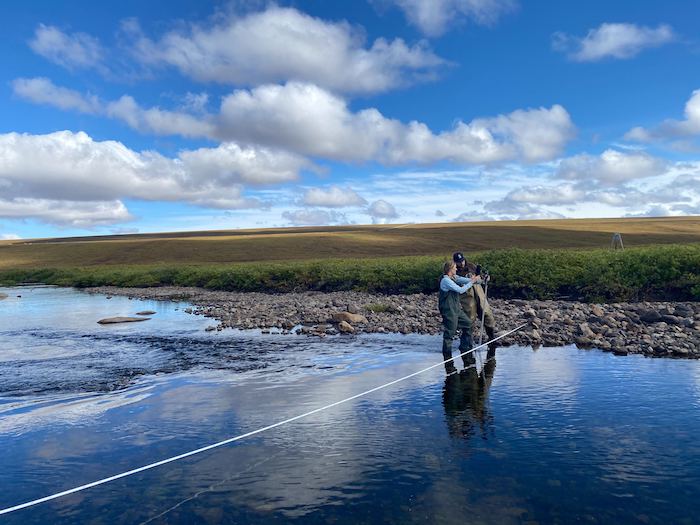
[[476, 279]]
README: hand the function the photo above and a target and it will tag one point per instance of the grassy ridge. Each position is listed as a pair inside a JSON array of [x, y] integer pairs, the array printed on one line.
[[670, 272], [341, 242]]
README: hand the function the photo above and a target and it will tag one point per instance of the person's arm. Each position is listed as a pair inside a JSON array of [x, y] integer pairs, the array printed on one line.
[[464, 280], [448, 284]]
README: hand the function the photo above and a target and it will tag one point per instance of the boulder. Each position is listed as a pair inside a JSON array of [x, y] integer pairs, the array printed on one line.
[[354, 309], [683, 310], [115, 320], [146, 312], [633, 316], [348, 317], [597, 311], [671, 319], [529, 313], [586, 331], [650, 316], [609, 321], [345, 327]]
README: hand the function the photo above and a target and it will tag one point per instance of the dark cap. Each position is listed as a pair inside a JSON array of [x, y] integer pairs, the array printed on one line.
[[458, 257]]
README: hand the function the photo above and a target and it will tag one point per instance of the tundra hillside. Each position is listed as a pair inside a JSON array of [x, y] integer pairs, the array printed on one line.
[[556, 259]]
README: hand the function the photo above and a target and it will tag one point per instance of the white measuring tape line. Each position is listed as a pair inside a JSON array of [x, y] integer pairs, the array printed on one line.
[[247, 434]]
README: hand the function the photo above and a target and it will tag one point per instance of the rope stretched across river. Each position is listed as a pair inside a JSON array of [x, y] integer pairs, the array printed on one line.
[[242, 436]]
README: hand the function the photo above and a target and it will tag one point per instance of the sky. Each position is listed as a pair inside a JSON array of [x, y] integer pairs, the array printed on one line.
[[186, 115]]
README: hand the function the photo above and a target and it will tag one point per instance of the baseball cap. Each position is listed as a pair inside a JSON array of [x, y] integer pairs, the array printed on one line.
[[458, 257]]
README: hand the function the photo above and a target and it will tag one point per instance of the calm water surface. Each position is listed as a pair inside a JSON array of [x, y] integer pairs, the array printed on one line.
[[549, 436]]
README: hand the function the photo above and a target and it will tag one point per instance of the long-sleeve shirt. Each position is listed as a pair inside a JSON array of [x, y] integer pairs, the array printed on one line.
[[447, 284]]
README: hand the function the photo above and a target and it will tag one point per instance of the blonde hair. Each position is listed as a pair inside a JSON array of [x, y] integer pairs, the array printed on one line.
[[448, 266]]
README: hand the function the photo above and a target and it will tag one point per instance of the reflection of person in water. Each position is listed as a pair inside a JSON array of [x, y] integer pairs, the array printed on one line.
[[465, 395]]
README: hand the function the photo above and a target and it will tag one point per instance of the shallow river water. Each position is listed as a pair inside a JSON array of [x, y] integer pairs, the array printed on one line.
[[557, 435]]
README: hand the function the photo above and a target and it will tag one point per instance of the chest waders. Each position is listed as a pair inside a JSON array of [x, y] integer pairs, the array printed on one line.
[[475, 305], [453, 317]]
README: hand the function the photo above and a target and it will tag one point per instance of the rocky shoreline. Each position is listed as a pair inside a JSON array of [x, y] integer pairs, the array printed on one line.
[[659, 329]]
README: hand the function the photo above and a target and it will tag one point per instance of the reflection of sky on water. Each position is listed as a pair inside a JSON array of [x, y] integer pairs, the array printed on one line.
[[558, 435], [695, 375], [21, 416], [316, 460]]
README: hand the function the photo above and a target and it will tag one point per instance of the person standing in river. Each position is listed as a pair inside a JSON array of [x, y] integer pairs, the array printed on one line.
[[453, 316], [474, 302]]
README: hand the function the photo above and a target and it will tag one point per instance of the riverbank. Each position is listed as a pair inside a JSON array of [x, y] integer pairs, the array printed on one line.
[[658, 329]]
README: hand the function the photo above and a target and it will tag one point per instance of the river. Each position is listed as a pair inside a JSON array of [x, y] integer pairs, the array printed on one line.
[[556, 435]]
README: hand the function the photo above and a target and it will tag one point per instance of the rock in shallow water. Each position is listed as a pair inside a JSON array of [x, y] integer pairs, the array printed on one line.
[[345, 327], [116, 320]]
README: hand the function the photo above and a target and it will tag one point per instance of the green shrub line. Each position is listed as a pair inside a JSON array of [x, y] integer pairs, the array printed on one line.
[[669, 272]]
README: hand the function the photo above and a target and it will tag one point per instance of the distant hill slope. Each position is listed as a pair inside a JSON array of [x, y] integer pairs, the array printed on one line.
[[342, 242]]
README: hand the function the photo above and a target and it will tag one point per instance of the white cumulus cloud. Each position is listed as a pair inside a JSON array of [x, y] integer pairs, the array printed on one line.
[[156, 120], [78, 214], [382, 211], [473, 216], [40, 90], [670, 129], [562, 194], [41, 172], [435, 17], [509, 208], [332, 197], [610, 40], [606, 185], [281, 44], [308, 120], [314, 217], [658, 210], [72, 51], [611, 167]]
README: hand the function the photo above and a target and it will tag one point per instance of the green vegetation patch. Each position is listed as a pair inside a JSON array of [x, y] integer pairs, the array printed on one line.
[[379, 308], [669, 272]]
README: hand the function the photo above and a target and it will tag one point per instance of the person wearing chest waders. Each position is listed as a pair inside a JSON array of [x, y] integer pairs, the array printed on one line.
[[453, 317], [474, 302]]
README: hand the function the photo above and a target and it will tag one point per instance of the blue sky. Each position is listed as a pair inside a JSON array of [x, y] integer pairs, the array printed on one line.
[[188, 115]]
